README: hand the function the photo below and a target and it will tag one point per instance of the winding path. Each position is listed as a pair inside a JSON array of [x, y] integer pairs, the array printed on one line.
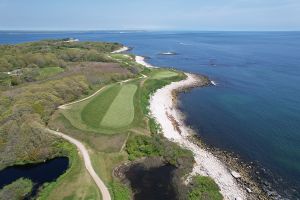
[[65, 106], [87, 162], [86, 98]]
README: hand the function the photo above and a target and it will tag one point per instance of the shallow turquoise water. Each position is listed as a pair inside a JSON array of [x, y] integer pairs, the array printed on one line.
[[254, 110]]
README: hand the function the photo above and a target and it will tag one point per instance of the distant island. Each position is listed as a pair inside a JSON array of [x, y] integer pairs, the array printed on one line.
[[169, 53]]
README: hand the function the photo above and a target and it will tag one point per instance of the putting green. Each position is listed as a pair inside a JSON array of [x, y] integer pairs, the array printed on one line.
[[164, 74], [121, 111]]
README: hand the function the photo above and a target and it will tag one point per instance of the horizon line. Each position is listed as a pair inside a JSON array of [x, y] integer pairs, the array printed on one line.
[[143, 30]]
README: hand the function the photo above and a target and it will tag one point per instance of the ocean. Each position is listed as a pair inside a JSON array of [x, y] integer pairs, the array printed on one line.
[[253, 111]]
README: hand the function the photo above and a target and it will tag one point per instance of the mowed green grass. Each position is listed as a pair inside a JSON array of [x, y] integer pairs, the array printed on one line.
[[112, 109], [121, 111], [95, 110], [164, 74], [117, 108]]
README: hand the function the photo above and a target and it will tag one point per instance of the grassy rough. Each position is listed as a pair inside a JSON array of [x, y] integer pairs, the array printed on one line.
[[49, 71], [16, 190], [108, 143], [120, 191]]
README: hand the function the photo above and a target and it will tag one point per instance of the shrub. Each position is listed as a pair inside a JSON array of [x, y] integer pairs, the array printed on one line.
[[154, 127], [204, 188], [144, 146], [120, 191], [16, 190], [151, 85]]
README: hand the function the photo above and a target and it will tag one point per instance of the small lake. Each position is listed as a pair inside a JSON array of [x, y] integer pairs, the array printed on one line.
[[39, 173], [153, 183]]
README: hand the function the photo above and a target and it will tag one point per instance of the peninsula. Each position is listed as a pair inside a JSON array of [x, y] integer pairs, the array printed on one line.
[[107, 112]]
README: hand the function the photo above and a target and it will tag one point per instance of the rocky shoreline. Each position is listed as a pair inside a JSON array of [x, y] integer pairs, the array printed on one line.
[[245, 173], [242, 171], [163, 106]]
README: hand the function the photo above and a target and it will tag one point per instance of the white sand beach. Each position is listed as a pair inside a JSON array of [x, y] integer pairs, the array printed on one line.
[[164, 110], [122, 49], [141, 60]]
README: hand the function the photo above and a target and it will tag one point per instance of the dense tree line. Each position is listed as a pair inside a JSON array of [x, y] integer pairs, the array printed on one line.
[[52, 53], [24, 110], [20, 63]]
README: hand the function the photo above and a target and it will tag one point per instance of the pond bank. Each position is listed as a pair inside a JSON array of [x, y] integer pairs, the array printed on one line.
[[38, 173], [149, 178]]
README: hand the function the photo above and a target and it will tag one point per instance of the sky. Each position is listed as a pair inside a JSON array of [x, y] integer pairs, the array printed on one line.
[[150, 15]]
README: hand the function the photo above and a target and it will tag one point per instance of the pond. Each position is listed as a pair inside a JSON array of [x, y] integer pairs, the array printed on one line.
[[39, 173], [152, 183]]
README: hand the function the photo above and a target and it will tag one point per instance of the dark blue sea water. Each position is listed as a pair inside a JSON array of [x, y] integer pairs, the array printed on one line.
[[253, 111]]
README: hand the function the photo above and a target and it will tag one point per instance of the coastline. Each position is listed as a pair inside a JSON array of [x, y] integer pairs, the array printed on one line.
[[141, 61], [163, 107]]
